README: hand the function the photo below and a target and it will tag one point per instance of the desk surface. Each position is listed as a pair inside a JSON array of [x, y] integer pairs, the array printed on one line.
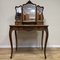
[[29, 25]]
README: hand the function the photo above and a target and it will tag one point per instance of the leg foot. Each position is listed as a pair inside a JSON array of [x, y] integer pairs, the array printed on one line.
[[10, 57]]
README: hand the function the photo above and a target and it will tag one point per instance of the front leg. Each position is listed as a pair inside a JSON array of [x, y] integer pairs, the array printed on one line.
[[42, 40], [10, 37], [16, 39], [46, 42]]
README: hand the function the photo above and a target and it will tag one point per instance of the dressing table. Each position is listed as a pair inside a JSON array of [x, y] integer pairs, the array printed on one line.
[[29, 17]]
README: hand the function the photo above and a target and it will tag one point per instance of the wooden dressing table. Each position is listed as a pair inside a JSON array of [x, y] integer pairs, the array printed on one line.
[[29, 17]]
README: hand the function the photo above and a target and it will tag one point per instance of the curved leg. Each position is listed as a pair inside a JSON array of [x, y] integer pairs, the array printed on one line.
[[46, 42], [10, 36], [16, 39], [42, 40]]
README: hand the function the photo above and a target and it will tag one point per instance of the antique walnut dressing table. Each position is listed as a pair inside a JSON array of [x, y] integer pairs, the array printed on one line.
[[29, 17]]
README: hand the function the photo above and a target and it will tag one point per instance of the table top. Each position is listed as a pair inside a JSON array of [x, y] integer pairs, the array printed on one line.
[[28, 25]]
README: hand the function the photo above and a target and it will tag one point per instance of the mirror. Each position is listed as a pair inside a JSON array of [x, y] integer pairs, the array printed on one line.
[[18, 12], [29, 12], [39, 13]]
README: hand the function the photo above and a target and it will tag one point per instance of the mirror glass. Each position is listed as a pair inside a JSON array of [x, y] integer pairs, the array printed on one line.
[[29, 12], [39, 13], [18, 13], [18, 9]]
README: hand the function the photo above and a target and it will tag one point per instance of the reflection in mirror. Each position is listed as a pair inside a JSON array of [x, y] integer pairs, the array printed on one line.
[[18, 13], [29, 12], [39, 13], [18, 10]]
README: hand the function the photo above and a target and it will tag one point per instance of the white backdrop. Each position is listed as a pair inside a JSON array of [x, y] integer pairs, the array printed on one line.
[[30, 39]]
